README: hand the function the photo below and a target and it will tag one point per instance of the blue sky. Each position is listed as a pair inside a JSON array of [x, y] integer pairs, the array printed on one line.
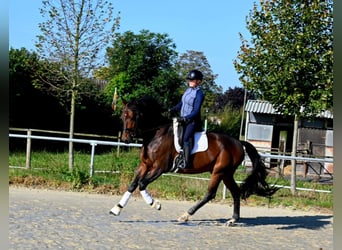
[[210, 27]]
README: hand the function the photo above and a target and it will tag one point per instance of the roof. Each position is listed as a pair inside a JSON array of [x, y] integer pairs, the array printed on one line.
[[264, 107], [258, 106]]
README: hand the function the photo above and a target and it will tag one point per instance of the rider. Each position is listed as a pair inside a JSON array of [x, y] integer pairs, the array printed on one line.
[[190, 107]]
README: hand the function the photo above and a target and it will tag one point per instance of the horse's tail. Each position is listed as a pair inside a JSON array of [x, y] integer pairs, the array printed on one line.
[[256, 183]]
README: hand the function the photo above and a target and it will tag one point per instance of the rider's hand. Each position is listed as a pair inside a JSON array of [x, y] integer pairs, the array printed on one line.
[[182, 120], [171, 111]]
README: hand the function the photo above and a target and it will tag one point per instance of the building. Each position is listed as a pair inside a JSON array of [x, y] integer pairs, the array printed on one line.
[[271, 132]]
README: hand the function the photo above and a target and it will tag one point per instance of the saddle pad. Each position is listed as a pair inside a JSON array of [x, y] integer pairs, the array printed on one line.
[[200, 140]]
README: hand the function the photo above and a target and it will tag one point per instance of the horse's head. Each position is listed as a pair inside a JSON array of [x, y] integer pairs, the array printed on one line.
[[143, 115], [130, 118]]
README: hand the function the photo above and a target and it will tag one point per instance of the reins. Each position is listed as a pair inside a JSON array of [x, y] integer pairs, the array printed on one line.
[[139, 108], [157, 128]]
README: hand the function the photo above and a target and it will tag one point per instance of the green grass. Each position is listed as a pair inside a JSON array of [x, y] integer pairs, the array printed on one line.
[[50, 170]]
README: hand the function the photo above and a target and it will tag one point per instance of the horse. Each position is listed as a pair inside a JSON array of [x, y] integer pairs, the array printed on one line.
[[144, 117]]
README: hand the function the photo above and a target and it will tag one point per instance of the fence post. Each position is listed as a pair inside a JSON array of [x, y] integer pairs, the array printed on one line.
[[224, 192], [293, 153], [118, 148], [92, 158], [28, 149]]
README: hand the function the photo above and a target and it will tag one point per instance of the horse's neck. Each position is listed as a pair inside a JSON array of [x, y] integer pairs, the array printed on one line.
[[152, 122], [158, 130], [147, 137]]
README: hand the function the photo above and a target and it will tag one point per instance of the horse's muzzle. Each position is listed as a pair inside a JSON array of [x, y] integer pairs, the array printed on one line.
[[127, 141], [127, 136]]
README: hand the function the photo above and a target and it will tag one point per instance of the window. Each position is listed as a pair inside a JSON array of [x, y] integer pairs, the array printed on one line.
[[260, 132]]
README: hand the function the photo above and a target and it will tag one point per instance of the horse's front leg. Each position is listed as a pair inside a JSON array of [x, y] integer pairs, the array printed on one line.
[[127, 195], [150, 177]]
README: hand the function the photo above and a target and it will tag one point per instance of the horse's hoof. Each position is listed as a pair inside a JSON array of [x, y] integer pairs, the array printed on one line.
[[231, 222], [156, 204], [115, 210], [184, 218]]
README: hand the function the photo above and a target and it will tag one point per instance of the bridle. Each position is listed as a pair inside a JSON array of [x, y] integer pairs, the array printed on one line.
[[131, 131]]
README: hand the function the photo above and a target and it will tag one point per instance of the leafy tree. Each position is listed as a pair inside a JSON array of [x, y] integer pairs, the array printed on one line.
[[290, 59], [25, 109], [73, 36], [228, 121], [233, 97], [142, 64]]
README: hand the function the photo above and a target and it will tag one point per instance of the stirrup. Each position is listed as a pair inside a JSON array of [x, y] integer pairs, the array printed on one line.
[[178, 163]]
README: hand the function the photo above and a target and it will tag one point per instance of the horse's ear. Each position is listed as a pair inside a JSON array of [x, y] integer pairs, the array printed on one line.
[[124, 101]]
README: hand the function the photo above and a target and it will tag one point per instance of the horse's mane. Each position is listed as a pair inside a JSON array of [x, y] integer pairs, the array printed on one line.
[[147, 104], [150, 112]]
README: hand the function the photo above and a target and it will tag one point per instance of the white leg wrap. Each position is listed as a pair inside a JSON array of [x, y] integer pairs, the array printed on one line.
[[115, 210], [147, 197], [125, 199]]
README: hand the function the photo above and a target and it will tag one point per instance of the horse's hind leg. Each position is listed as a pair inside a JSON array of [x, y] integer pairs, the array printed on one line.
[[234, 189], [211, 193]]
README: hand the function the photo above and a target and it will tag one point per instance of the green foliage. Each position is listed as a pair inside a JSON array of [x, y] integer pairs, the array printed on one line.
[[121, 83], [79, 178], [22, 69], [142, 64], [28, 91], [228, 122], [289, 59], [25, 100], [73, 35], [233, 97], [22, 61], [197, 60]]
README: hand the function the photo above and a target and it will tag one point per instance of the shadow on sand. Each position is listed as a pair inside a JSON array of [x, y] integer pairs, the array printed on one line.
[[312, 222]]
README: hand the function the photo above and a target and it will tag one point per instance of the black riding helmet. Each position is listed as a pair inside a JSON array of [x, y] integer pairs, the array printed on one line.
[[195, 75]]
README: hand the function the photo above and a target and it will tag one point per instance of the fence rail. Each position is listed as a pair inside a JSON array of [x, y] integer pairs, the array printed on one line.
[[94, 143]]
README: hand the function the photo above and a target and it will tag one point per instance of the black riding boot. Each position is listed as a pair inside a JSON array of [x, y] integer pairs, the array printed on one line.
[[187, 154]]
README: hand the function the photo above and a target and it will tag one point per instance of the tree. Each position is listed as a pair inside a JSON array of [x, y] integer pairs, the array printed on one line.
[[142, 64], [290, 63], [290, 59], [233, 97], [25, 109], [228, 122], [73, 36]]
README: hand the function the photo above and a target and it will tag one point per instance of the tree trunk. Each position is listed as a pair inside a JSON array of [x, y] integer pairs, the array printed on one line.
[[294, 152], [71, 130]]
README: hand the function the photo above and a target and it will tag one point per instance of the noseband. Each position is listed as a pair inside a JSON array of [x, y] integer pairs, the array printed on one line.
[[132, 131]]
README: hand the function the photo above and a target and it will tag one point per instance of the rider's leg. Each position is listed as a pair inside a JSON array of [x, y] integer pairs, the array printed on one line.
[[187, 144], [187, 154]]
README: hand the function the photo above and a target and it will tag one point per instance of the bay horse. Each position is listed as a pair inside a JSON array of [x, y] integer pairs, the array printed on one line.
[[144, 117]]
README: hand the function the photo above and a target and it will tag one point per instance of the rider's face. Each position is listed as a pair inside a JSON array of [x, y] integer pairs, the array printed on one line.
[[194, 83]]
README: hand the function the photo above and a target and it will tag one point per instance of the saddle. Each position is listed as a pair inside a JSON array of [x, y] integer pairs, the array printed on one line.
[[200, 142]]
